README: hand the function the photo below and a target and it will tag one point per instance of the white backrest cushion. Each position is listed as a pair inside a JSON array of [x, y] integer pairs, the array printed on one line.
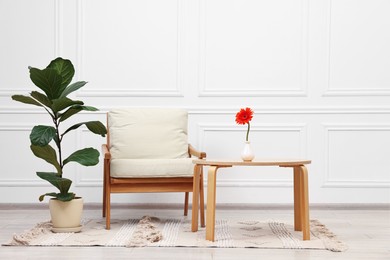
[[148, 133]]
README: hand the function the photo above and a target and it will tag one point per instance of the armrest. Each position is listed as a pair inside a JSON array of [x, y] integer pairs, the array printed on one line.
[[194, 152], [106, 152]]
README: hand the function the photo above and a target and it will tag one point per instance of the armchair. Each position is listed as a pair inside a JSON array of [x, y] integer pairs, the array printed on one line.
[[147, 151]]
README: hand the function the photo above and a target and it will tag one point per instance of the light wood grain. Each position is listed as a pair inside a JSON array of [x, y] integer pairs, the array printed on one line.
[[195, 199], [284, 162], [297, 200], [301, 190], [201, 191], [305, 219], [211, 197]]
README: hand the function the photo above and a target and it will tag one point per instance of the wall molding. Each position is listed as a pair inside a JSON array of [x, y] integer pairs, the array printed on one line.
[[205, 91], [36, 182], [202, 128], [23, 183], [294, 110], [355, 184], [57, 42], [13, 182], [80, 180], [177, 91], [355, 92], [232, 110], [59, 31], [344, 92], [300, 128], [343, 183]]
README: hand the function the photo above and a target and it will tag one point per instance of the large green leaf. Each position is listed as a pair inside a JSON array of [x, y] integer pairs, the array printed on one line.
[[48, 154], [49, 80], [73, 87], [70, 112], [60, 196], [89, 108], [86, 157], [52, 194], [26, 100], [41, 98], [74, 110], [95, 127], [65, 196], [65, 69], [73, 127], [62, 103], [42, 135], [62, 184]]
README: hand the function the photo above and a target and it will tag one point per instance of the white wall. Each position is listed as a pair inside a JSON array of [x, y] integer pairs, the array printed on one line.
[[315, 72]]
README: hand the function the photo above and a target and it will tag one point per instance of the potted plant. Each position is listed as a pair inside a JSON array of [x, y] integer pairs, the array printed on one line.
[[55, 81]]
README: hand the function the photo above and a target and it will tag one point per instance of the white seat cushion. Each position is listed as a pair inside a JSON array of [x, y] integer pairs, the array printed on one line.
[[149, 168], [148, 133]]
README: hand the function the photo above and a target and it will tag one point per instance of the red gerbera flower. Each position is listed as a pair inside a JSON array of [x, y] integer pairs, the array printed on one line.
[[243, 117]]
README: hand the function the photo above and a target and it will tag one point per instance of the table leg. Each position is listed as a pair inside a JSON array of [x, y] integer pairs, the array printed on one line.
[[195, 198], [305, 203], [211, 195], [202, 222], [297, 199]]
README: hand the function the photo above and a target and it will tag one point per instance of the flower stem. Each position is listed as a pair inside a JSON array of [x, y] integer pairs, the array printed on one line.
[[247, 132]]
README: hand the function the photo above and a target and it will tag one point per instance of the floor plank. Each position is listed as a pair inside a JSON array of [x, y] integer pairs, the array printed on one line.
[[366, 231]]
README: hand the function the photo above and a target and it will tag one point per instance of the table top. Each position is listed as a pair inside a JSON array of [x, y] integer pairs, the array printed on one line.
[[256, 162]]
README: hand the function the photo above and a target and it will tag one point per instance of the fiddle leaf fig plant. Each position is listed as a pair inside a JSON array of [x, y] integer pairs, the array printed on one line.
[[54, 83]]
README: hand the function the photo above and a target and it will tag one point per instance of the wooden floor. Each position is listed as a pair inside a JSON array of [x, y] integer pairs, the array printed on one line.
[[365, 230]]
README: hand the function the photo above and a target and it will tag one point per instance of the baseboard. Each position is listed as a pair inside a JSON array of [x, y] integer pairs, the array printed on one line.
[[225, 206]]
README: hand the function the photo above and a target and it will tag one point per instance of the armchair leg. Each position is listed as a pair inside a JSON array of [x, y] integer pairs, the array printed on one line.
[[108, 211], [104, 199], [106, 188], [104, 206], [107, 194], [186, 204]]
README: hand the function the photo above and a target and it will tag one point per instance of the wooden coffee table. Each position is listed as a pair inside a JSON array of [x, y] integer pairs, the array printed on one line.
[[301, 196]]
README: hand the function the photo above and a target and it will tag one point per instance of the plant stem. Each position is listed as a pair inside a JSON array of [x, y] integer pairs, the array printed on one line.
[[247, 132], [57, 124]]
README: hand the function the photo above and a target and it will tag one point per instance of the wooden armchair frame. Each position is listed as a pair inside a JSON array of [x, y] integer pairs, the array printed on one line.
[[145, 185]]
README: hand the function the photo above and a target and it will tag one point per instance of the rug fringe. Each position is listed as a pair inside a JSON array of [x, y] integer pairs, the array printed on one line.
[[149, 230], [27, 236], [330, 240]]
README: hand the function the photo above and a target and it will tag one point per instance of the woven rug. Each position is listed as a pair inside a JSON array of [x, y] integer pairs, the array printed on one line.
[[169, 232]]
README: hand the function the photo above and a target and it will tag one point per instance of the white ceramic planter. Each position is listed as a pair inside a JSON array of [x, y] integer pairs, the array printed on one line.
[[247, 153], [66, 215]]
